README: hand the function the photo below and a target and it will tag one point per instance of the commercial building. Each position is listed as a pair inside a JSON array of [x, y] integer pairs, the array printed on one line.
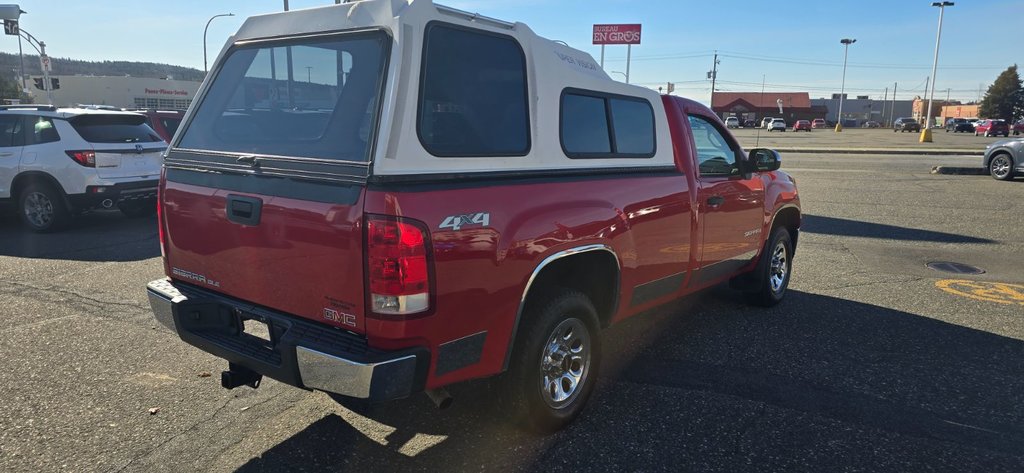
[[862, 109], [921, 107], [756, 105], [960, 111], [129, 92]]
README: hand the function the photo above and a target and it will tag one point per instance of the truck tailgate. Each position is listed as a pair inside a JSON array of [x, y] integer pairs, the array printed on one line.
[[298, 256]]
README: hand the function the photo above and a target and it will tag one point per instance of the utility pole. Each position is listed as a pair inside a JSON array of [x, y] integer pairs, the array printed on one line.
[[714, 76], [892, 109], [885, 100], [285, 5], [947, 95]]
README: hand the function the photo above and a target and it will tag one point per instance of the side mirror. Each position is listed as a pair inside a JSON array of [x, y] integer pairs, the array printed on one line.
[[764, 159]]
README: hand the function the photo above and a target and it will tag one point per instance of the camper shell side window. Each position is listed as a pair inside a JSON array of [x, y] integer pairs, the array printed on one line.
[[473, 94], [602, 125]]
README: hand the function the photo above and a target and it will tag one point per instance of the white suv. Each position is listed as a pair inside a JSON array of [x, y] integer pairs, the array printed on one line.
[[777, 124], [55, 163]]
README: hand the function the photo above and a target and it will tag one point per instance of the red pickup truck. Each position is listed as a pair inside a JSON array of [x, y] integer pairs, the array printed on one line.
[[442, 197]]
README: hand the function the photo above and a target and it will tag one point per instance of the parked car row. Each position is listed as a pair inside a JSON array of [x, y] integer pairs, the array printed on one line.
[[992, 128]]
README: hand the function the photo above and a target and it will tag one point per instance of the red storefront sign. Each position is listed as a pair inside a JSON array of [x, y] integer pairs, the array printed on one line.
[[616, 34]]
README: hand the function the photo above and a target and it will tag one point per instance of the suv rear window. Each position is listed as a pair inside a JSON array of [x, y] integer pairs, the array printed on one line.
[[308, 97], [111, 128]]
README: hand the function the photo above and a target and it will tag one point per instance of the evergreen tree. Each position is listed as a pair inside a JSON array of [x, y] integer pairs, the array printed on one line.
[[1005, 97], [11, 89]]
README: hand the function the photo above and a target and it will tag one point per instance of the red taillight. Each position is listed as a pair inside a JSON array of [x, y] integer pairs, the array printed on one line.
[[85, 158], [161, 229], [398, 266]]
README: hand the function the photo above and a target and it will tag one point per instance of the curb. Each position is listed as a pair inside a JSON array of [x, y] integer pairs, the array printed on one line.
[[902, 151], [960, 171]]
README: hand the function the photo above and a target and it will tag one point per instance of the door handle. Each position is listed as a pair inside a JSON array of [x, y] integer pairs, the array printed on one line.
[[715, 201], [244, 210], [6, 153]]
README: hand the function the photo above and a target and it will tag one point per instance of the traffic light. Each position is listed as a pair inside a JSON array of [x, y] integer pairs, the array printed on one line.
[[11, 27], [39, 83]]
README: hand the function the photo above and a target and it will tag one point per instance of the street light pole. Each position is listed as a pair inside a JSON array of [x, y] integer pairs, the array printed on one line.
[[926, 131], [205, 69], [846, 42]]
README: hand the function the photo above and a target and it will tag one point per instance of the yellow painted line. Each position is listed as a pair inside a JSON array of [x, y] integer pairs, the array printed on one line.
[[998, 292]]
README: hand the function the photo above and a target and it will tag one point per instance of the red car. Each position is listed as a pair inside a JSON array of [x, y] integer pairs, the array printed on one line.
[[992, 128], [802, 125]]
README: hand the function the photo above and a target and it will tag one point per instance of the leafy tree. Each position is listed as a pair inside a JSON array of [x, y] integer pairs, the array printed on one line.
[[11, 89], [1005, 97]]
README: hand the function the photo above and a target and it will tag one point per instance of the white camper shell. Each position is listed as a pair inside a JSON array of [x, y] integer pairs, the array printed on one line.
[[436, 114]]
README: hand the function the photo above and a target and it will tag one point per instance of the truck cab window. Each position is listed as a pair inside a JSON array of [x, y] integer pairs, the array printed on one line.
[[715, 157]]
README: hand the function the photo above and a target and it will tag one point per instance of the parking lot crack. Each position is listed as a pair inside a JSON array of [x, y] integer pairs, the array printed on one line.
[[73, 298]]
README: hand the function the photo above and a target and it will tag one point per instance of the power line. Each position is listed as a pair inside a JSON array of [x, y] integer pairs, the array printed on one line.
[[813, 62]]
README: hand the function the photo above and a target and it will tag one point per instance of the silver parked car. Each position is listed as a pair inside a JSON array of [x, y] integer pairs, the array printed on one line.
[[1005, 159]]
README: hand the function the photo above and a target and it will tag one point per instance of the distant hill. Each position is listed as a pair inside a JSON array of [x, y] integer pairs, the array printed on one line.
[[65, 66]]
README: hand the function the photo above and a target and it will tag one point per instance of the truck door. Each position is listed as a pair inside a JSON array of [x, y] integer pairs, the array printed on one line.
[[12, 140], [731, 206]]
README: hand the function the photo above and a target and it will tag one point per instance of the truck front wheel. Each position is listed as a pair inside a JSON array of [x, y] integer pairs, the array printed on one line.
[[555, 364], [773, 270]]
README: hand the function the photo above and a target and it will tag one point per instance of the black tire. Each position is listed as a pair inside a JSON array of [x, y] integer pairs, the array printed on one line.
[[768, 290], [42, 208], [1000, 167], [530, 402], [138, 209]]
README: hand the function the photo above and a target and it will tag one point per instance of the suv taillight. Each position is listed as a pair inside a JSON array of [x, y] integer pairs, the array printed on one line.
[[398, 265], [85, 158]]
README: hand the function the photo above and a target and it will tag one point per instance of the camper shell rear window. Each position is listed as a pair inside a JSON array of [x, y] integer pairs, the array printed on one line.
[[309, 97]]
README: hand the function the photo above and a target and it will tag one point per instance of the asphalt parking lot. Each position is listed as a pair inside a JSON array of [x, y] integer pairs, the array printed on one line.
[[874, 362]]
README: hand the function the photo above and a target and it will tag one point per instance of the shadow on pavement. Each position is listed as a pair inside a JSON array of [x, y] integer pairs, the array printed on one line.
[[817, 383], [858, 228], [95, 236]]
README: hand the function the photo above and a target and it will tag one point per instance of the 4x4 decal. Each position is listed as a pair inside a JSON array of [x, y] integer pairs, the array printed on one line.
[[455, 222]]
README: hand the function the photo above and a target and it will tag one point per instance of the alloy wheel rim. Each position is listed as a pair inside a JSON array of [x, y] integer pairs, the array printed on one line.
[[779, 268], [38, 209], [1000, 166], [565, 363]]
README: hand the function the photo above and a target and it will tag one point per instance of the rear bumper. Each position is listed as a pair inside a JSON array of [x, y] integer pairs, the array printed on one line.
[[94, 195], [300, 353]]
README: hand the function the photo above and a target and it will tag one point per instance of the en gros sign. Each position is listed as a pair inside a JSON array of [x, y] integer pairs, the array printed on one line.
[[616, 34]]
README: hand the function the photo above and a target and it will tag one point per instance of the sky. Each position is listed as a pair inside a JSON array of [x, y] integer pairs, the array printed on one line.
[[789, 45]]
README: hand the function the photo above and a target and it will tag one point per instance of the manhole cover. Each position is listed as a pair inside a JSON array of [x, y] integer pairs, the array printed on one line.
[[955, 268]]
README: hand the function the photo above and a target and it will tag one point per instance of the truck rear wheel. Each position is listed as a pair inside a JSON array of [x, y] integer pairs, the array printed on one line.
[[555, 362], [773, 270]]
